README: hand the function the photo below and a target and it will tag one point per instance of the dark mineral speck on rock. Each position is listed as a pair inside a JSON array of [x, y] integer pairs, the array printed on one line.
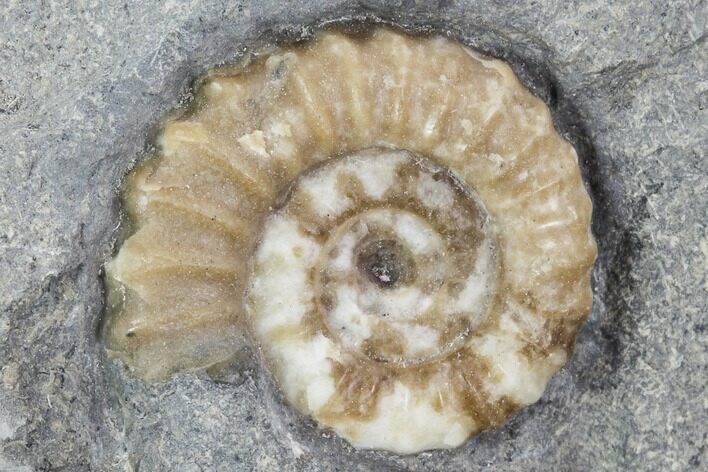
[[81, 92]]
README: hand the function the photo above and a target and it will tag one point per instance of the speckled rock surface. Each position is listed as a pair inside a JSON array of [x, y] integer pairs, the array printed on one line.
[[82, 86]]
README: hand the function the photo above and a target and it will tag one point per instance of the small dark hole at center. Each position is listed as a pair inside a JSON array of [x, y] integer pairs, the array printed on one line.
[[386, 263]]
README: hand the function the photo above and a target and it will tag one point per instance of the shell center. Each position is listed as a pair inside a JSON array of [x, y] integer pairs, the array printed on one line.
[[386, 263]]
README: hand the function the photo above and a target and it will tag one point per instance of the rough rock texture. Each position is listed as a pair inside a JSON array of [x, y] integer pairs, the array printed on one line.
[[82, 86]]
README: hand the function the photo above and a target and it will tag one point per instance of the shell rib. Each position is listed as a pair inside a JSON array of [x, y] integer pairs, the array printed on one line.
[[411, 235]]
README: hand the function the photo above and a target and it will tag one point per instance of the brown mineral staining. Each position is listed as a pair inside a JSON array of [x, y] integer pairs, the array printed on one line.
[[407, 229]]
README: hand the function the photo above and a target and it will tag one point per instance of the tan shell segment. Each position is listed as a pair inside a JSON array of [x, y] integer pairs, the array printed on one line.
[[197, 209]]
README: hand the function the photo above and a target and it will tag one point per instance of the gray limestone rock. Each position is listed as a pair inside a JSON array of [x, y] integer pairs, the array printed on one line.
[[82, 87]]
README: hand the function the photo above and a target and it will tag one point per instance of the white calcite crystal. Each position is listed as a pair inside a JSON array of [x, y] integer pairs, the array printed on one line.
[[394, 219]]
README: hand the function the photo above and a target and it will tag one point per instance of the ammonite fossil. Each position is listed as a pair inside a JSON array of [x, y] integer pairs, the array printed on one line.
[[394, 218]]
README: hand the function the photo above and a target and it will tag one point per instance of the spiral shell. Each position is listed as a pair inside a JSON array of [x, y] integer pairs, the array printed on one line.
[[396, 220]]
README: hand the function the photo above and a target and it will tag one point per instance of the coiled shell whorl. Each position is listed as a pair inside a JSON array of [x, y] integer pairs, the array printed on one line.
[[395, 220]]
